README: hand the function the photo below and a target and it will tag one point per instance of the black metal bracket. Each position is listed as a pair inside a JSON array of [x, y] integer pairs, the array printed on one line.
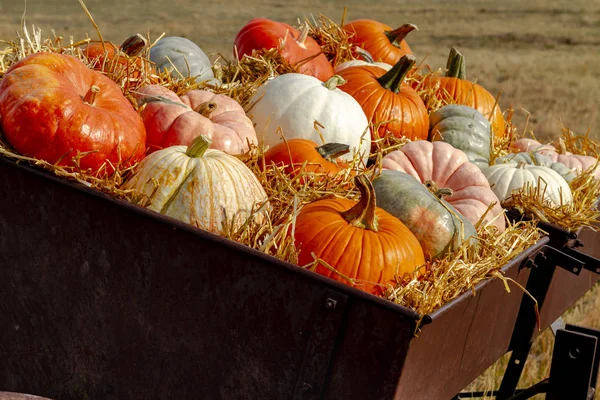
[[590, 263]]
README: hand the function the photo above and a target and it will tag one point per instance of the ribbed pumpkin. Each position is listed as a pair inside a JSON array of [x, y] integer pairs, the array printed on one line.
[[533, 158], [387, 101], [384, 43], [454, 88], [182, 58], [298, 155], [439, 228], [52, 107], [442, 166], [359, 240], [299, 106], [464, 128], [203, 187], [172, 120]]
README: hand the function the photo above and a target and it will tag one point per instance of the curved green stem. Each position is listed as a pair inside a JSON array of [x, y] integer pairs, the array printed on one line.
[[198, 147], [397, 35], [331, 151], [455, 65], [362, 215], [392, 80], [365, 55]]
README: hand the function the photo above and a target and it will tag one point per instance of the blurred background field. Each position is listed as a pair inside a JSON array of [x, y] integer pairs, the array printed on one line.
[[540, 55]]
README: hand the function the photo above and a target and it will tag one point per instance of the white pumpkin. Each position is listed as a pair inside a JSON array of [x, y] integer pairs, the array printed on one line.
[[506, 178], [366, 61], [300, 106], [204, 187]]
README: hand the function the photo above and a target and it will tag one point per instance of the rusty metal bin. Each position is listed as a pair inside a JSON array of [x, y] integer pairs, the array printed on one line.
[[102, 299]]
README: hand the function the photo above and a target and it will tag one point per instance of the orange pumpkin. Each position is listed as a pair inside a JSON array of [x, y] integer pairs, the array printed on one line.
[[381, 41], [366, 246], [454, 88], [53, 107], [387, 100], [299, 155]]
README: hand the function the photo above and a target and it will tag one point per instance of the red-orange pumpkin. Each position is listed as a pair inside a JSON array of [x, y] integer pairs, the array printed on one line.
[[381, 41], [299, 49], [53, 106], [387, 100], [366, 246], [454, 88]]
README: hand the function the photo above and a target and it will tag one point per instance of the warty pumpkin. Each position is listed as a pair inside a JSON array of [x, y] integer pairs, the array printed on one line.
[[296, 47], [437, 225], [207, 188], [359, 240], [177, 120], [454, 88], [380, 40], [387, 101], [302, 107], [444, 167], [52, 107]]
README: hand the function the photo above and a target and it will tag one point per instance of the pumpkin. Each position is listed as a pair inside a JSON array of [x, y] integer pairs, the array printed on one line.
[[122, 61], [53, 107], [207, 188], [296, 47], [299, 155], [171, 120], [508, 177], [182, 58], [454, 88], [440, 229], [381, 41], [464, 128], [387, 101], [575, 162], [442, 166], [366, 246], [534, 158], [367, 60], [301, 106]]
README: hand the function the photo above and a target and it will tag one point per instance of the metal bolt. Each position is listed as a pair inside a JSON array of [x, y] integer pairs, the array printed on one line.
[[576, 270], [598, 270], [306, 386], [517, 361], [577, 243], [330, 303], [574, 353]]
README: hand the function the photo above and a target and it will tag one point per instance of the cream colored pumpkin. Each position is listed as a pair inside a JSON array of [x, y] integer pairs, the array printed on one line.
[[204, 187], [302, 107], [506, 178]]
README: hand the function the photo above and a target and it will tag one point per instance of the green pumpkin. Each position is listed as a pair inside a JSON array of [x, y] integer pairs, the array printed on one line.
[[437, 225], [534, 158], [464, 128]]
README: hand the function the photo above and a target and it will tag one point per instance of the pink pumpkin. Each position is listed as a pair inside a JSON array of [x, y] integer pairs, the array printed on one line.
[[574, 162], [450, 168], [171, 120]]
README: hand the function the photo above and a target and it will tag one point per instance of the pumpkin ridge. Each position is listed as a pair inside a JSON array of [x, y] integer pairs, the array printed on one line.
[[353, 271], [330, 232], [235, 194], [188, 173], [328, 226]]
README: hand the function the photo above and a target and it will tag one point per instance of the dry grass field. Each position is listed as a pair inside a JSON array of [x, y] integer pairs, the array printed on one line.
[[541, 55]]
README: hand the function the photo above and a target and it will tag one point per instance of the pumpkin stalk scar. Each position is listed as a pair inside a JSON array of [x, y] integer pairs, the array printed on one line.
[[206, 108], [90, 96], [334, 82], [437, 191], [362, 215], [397, 35], [392, 80]]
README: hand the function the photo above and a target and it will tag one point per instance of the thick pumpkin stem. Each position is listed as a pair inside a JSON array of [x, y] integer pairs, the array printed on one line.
[[437, 191], [198, 147], [206, 108], [397, 35], [392, 80], [331, 151], [133, 45], [521, 164], [303, 36], [455, 65], [334, 82], [365, 55], [90, 96], [362, 215]]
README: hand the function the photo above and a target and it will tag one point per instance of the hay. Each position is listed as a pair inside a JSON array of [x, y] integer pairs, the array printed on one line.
[[334, 41]]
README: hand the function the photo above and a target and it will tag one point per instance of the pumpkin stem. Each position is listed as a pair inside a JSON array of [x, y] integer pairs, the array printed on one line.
[[90, 96], [206, 108], [303, 36], [521, 164], [133, 45], [365, 55], [198, 147], [437, 191], [334, 82], [392, 80], [397, 35], [362, 215], [456, 65], [331, 151]]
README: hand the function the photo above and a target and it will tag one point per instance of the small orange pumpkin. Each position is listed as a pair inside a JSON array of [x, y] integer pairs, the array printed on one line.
[[366, 246]]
